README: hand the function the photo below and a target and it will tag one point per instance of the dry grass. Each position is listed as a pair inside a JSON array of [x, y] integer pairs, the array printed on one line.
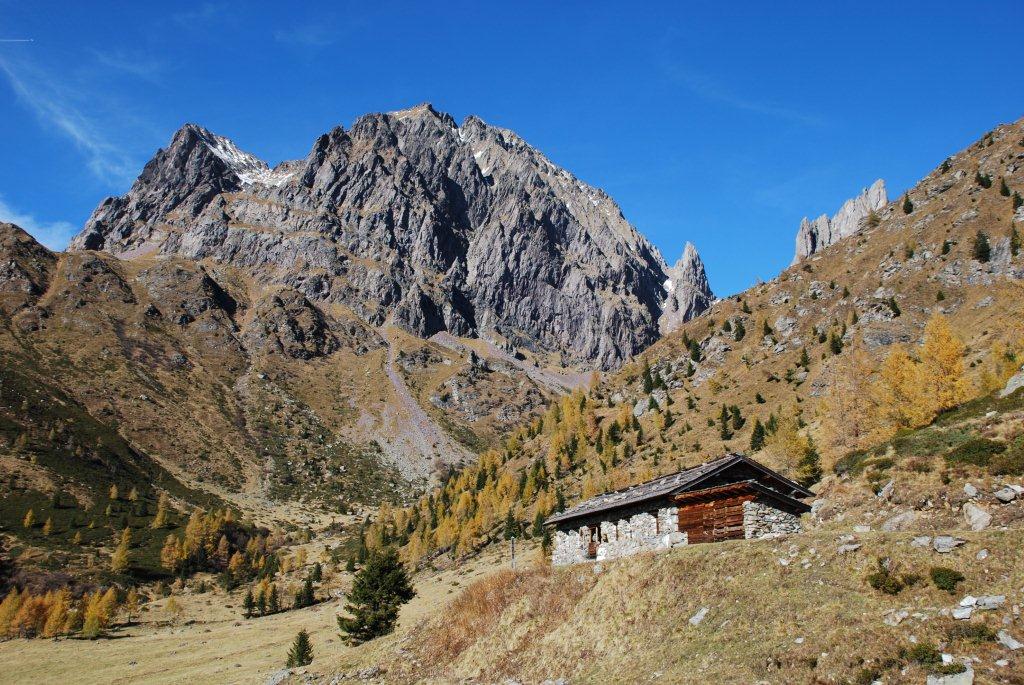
[[803, 622]]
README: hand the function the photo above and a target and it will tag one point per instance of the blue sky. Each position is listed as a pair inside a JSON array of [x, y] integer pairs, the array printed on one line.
[[723, 126]]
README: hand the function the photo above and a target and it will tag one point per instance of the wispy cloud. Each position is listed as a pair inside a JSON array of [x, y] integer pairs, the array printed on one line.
[[53, 234], [710, 89], [130, 64], [60, 106]]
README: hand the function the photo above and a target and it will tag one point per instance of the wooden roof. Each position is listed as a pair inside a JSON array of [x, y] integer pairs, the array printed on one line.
[[675, 483]]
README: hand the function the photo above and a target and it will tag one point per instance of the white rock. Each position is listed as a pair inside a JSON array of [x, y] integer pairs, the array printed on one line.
[[991, 602], [982, 555], [943, 544], [849, 547], [861, 529], [921, 541], [969, 601], [962, 613], [1005, 495], [976, 517], [1008, 641], [699, 616], [901, 521], [970, 490]]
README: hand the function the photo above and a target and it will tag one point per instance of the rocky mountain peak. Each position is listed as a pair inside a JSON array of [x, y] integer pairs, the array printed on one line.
[[412, 219], [824, 231], [687, 291]]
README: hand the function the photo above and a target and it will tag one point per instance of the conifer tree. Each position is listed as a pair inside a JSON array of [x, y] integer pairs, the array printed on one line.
[[273, 601], [942, 362], [648, 381], [119, 561], [809, 466], [261, 602], [162, 518], [378, 590], [757, 436], [982, 251], [131, 605], [908, 206], [1004, 189], [301, 652], [248, 604], [740, 331]]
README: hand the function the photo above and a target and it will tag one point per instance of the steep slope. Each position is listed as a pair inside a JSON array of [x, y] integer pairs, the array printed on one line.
[[410, 219], [816, 235], [772, 356]]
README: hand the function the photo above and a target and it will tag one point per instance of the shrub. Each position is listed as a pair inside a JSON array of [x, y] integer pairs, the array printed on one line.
[[972, 632], [889, 580], [923, 653], [1009, 462], [894, 307], [1004, 189], [983, 180], [946, 578], [977, 451], [908, 206]]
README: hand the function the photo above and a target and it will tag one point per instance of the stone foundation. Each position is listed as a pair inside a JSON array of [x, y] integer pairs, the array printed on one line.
[[761, 520], [629, 534]]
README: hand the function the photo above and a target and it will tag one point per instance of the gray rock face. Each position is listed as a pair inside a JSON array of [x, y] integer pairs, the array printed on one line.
[[412, 219], [688, 293], [824, 231]]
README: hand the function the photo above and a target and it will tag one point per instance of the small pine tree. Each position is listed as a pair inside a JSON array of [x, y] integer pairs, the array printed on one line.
[[318, 572], [1014, 242], [766, 330], [740, 331], [261, 602], [538, 524], [805, 359], [835, 342], [1018, 201], [982, 251], [648, 381], [350, 565], [757, 438], [378, 590], [131, 605], [248, 604], [511, 525], [809, 466], [162, 517], [759, 398], [983, 180], [119, 561], [274, 601], [301, 653], [1004, 189], [908, 206], [946, 247], [305, 596], [894, 306]]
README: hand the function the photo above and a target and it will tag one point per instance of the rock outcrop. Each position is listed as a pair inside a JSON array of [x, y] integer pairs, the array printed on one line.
[[412, 219], [688, 293], [824, 231]]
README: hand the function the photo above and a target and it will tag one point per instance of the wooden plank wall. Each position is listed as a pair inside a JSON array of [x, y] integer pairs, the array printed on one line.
[[718, 519]]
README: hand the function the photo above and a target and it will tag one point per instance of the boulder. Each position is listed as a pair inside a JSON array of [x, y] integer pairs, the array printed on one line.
[[902, 521], [1008, 641], [944, 544], [976, 517], [965, 678], [1005, 495]]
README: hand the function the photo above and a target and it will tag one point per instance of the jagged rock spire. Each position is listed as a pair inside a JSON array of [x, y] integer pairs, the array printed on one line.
[[687, 292], [823, 231]]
